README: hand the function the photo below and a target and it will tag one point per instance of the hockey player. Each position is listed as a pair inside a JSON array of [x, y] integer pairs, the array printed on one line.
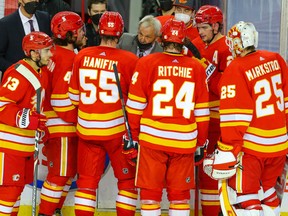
[[253, 122], [61, 148], [100, 125], [212, 47], [184, 11], [19, 118], [168, 113]]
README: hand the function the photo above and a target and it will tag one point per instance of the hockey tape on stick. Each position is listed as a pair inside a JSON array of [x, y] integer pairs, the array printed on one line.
[[123, 105]]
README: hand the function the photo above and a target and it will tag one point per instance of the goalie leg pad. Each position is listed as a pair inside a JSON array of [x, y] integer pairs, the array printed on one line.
[[267, 211]]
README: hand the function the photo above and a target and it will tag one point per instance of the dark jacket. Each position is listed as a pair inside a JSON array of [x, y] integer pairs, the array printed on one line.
[[93, 37], [11, 35], [53, 6]]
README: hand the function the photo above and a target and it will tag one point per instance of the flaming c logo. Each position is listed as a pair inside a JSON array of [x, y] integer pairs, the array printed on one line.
[[182, 1]]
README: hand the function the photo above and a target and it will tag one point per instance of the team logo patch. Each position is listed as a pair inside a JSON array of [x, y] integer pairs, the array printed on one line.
[[125, 170], [51, 164], [188, 180], [16, 177]]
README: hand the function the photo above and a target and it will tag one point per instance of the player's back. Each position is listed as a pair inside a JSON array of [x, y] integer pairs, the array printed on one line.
[[174, 88], [172, 73], [99, 109], [259, 80]]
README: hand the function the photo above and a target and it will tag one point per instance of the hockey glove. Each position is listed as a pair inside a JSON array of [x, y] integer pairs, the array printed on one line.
[[200, 153], [208, 66], [220, 164], [130, 150], [32, 120]]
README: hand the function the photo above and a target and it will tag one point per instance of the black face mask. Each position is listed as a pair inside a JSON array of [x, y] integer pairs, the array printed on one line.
[[143, 47], [96, 17], [30, 7], [166, 5]]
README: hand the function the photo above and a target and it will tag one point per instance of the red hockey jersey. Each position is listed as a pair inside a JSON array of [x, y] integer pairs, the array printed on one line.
[[253, 104], [60, 111], [219, 55], [168, 103], [192, 31], [16, 93], [94, 90]]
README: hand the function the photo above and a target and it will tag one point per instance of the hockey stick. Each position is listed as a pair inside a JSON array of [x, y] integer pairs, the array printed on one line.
[[123, 106], [196, 198], [193, 49], [25, 72], [36, 154]]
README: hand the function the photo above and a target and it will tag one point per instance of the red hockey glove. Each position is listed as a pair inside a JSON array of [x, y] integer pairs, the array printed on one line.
[[26, 118], [130, 150], [200, 153]]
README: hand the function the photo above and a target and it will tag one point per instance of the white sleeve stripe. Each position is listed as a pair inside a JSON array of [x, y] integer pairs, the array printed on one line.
[[136, 105], [235, 117]]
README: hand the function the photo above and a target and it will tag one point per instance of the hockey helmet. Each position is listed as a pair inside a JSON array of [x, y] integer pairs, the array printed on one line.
[[209, 14], [184, 3], [174, 31], [111, 24], [36, 41], [240, 36], [64, 22]]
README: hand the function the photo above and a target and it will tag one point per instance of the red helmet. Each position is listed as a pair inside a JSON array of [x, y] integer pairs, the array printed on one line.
[[111, 24], [209, 14], [64, 22], [35, 41], [174, 31]]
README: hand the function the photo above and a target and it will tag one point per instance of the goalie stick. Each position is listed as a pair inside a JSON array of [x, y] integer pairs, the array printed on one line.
[[123, 105], [226, 207]]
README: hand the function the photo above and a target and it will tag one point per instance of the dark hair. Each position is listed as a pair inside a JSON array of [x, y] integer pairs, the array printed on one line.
[[108, 37], [90, 2], [64, 42], [172, 45]]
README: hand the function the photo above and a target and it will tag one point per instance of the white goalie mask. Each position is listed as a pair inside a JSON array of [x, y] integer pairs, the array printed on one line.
[[240, 36]]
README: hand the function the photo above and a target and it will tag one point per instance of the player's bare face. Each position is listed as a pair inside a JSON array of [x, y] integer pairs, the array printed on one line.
[[146, 34], [205, 32], [46, 54], [80, 41]]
